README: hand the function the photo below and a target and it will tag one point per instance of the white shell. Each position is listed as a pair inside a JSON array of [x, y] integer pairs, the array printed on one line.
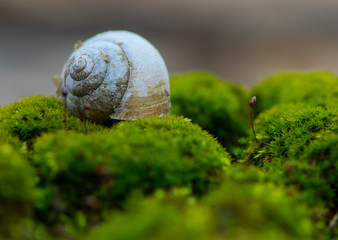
[[120, 74]]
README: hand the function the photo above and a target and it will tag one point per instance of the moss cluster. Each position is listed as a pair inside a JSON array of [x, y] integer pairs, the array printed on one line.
[[287, 129], [215, 105], [234, 211], [315, 175], [95, 172], [32, 116], [290, 136], [313, 89], [166, 178], [297, 131], [17, 189]]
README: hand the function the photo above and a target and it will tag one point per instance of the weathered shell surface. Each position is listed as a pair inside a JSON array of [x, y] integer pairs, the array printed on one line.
[[120, 74]]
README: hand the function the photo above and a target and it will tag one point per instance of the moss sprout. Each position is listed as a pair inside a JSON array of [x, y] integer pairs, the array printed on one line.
[[252, 104], [42, 111], [86, 108], [64, 93]]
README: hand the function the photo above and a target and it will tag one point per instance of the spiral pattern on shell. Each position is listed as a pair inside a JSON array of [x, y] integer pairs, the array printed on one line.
[[120, 74], [88, 66]]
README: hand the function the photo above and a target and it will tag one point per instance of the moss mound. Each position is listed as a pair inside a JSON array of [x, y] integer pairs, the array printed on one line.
[[298, 143], [17, 189], [319, 165], [154, 218], [285, 130], [94, 172], [215, 105], [235, 211], [258, 211], [29, 117], [313, 89], [166, 178]]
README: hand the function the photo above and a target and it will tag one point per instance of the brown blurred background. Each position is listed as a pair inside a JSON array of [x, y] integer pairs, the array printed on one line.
[[240, 40]]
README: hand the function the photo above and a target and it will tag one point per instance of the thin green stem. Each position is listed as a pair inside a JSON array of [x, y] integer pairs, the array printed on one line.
[[65, 115], [252, 126], [84, 122], [86, 107], [64, 93]]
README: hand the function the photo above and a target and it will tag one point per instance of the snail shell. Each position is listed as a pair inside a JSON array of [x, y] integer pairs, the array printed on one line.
[[120, 74]]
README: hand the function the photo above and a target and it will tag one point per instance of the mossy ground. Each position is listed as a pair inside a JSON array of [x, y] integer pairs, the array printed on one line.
[[140, 156], [233, 211], [30, 117], [177, 177]]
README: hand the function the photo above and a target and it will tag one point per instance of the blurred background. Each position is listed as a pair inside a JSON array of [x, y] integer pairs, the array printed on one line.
[[242, 41]]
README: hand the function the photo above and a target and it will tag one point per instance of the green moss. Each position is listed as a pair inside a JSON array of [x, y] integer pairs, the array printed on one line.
[[313, 89], [154, 218], [17, 189], [93, 172], [235, 211], [215, 105], [285, 130], [82, 178], [298, 144], [25, 120], [316, 173], [262, 211]]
